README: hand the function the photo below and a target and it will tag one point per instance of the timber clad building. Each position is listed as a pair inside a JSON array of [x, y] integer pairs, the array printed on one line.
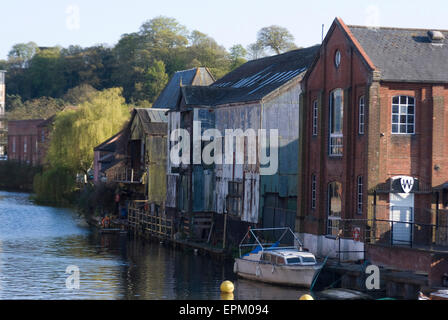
[[375, 142], [261, 94]]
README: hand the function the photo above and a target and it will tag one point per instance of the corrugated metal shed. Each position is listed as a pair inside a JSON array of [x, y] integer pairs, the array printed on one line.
[[253, 80]]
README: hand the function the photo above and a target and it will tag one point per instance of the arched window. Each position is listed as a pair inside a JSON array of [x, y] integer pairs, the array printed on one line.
[[336, 122], [361, 118], [403, 115], [334, 208]]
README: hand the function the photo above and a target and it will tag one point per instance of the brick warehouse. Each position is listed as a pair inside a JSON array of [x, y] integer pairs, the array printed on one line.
[[375, 170], [24, 140]]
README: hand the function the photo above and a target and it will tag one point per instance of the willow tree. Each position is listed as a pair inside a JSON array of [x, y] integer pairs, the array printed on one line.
[[78, 130]]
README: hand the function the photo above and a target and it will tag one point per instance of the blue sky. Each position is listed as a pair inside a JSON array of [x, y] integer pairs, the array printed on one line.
[[89, 22]]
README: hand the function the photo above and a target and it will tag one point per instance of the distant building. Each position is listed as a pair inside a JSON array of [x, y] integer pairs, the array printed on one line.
[[23, 141], [3, 128], [105, 158]]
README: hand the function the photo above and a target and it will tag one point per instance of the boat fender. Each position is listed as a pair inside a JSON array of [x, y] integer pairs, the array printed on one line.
[[273, 268], [235, 267], [257, 271]]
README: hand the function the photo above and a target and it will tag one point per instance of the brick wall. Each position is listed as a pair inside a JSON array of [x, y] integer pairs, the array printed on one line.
[[23, 141]]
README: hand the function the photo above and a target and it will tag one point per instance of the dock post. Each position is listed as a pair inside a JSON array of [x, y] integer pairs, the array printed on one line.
[[224, 232]]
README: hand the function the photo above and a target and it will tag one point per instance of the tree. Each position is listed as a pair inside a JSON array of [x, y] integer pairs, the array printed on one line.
[[79, 94], [21, 53], [238, 55], [77, 132], [276, 38], [39, 108], [156, 80], [256, 51], [164, 32]]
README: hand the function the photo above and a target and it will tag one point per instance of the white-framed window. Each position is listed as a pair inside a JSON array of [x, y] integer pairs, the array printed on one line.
[[361, 119], [313, 191], [315, 117], [336, 123], [403, 115], [360, 187]]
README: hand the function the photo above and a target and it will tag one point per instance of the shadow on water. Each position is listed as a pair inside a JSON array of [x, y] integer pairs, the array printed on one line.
[[38, 243]]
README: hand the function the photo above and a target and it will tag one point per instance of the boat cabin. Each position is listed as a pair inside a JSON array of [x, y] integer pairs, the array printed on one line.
[[288, 257]]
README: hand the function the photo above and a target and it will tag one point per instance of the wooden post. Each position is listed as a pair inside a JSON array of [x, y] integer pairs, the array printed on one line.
[[224, 232]]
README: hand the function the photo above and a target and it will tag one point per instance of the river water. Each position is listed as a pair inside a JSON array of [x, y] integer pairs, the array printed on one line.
[[38, 243]]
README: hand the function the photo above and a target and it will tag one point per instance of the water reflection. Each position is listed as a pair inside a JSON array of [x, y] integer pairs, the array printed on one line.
[[37, 244]]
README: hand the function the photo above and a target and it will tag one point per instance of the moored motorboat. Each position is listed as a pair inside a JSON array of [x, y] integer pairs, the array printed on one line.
[[276, 263]]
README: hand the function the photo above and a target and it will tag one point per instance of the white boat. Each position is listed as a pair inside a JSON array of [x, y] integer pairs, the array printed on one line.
[[276, 263]]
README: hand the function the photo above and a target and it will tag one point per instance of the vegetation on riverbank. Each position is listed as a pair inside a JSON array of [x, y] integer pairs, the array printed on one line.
[[75, 133], [16, 176]]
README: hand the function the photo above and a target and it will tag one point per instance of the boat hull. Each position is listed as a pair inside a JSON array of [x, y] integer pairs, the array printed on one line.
[[300, 276]]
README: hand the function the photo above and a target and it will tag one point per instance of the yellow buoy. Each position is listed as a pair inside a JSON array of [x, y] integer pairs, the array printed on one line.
[[306, 297], [227, 287]]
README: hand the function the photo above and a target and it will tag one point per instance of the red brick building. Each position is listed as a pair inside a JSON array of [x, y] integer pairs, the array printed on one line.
[[24, 137], [375, 151]]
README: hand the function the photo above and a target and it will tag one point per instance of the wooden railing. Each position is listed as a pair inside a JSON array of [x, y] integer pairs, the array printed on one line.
[[140, 219]]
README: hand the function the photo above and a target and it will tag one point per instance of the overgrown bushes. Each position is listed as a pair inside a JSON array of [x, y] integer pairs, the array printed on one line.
[[55, 186]]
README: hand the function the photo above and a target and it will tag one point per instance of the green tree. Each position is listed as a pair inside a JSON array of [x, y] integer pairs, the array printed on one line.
[[164, 32], [80, 94], [154, 82], [256, 51], [238, 56], [39, 108], [276, 38], [76, 132], [21, 53]]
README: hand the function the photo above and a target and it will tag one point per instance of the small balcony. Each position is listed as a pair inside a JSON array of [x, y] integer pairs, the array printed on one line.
[[128, 175]]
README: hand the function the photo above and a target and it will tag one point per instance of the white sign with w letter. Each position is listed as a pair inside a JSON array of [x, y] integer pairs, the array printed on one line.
[[407, 183]]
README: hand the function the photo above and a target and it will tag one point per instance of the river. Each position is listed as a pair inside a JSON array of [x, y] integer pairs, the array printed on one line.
[[38, 243]]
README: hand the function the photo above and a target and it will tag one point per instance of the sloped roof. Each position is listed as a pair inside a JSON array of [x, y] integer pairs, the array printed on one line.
[[169, 97], [110, 144], [404, 54], [253, 80], [152, 120]]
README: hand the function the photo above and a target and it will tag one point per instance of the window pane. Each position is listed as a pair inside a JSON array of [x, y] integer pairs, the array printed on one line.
[[410, 100], [394, 109], [395, 100], [403, 109], [403, 128], [410, 119], [410, 109], [403, 119], [403, 100], [395, 128], [410, 128], [395, 119]]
